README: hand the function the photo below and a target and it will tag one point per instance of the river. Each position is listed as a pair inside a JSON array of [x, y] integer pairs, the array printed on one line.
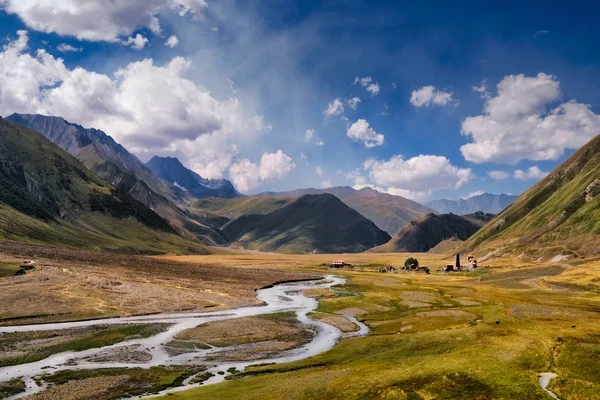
[[279, 298]]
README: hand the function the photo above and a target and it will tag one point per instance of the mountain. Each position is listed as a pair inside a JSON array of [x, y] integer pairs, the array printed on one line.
[[390, 213], [47, 196], [171, 170], [309, 223], [429, 231], [560, 215], [112, 162], [486, 202]]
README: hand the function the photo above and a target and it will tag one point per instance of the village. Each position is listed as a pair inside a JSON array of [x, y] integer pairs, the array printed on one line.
[[412, 265]]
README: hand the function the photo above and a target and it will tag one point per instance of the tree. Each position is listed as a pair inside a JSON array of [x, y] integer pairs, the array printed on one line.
[[410, 262]]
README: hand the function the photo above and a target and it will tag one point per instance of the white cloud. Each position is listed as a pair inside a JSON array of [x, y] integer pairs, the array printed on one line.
[[367, 82], [473, 194], [360, 182], [132, 106], [334, 108], [320, 143], [361, 131], [138, 42], [319, 171], [66, 48], [98, 20], [246, 175], [420, 174], [530, 173], [308, 134], [326, 184], [353, 102], [429, 96], [482, 90], [518, 123], [498, 175], [172, 41]]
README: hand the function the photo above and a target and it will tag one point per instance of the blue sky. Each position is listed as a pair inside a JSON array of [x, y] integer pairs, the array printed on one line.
[[235, 96]]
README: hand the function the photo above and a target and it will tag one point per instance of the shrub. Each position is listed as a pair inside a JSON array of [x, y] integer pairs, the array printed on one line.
[[411, 261]]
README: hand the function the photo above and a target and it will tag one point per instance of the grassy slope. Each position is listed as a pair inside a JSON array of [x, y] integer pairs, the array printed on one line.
[[49, 197], [456, 352], [234, 208], [554, 216], [311, 222]]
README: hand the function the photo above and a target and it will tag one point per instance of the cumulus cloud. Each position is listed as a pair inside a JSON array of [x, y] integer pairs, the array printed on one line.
[[132, 106], [519, 123], [428, 96], [353, 102], [246, 175], [320, 143], [334, 108], [99, 20], [67, 48], [498, 175], [367, 82], [138, 42], [319, 171], [360, 131], [172, 41], [421, 173], [530, 173]]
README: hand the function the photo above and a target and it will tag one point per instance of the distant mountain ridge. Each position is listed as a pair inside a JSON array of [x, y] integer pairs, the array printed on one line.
[[171, 170], [559, 216], [486, 202], [390, 213]]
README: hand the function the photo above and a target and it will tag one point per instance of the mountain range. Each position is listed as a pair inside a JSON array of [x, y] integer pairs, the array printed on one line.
[[485, 202], [318, 223], [48, 196], [390, 213], [171, 170]]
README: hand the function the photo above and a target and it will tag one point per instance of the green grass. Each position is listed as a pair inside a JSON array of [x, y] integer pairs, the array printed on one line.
[[84, 342], [8, 269], [11, 388], [443, 356]]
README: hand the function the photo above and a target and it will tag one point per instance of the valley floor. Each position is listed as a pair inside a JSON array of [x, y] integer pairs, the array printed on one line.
[[482, 335]]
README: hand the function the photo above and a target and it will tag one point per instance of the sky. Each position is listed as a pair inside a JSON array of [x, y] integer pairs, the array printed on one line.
[[425, 100]]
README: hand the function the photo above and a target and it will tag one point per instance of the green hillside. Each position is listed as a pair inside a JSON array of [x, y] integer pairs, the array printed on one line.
[[47, 196], [558, 216], [310, 223]]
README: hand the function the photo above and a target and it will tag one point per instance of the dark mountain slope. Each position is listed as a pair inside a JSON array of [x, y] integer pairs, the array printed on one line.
[[171, 170], [560, 215], [320, 223], [112, 162], [486, 202], [390, 213], [46, 195], [425, 233]]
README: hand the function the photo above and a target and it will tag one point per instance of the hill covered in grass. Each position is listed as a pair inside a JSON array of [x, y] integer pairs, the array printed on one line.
[[47, 196], [560, 215], [310, 223], [390, 213], [431, 230]]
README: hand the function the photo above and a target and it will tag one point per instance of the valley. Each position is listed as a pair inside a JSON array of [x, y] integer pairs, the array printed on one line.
[[488, 333]]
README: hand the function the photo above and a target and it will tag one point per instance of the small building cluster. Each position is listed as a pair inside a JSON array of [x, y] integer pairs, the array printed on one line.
[[341, 264], [458, 267]]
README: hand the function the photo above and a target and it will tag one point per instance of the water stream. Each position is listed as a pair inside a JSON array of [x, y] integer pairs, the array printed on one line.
[[279, 298]]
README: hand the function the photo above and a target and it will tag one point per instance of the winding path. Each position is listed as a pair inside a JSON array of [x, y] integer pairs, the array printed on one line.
[[279, 298]]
